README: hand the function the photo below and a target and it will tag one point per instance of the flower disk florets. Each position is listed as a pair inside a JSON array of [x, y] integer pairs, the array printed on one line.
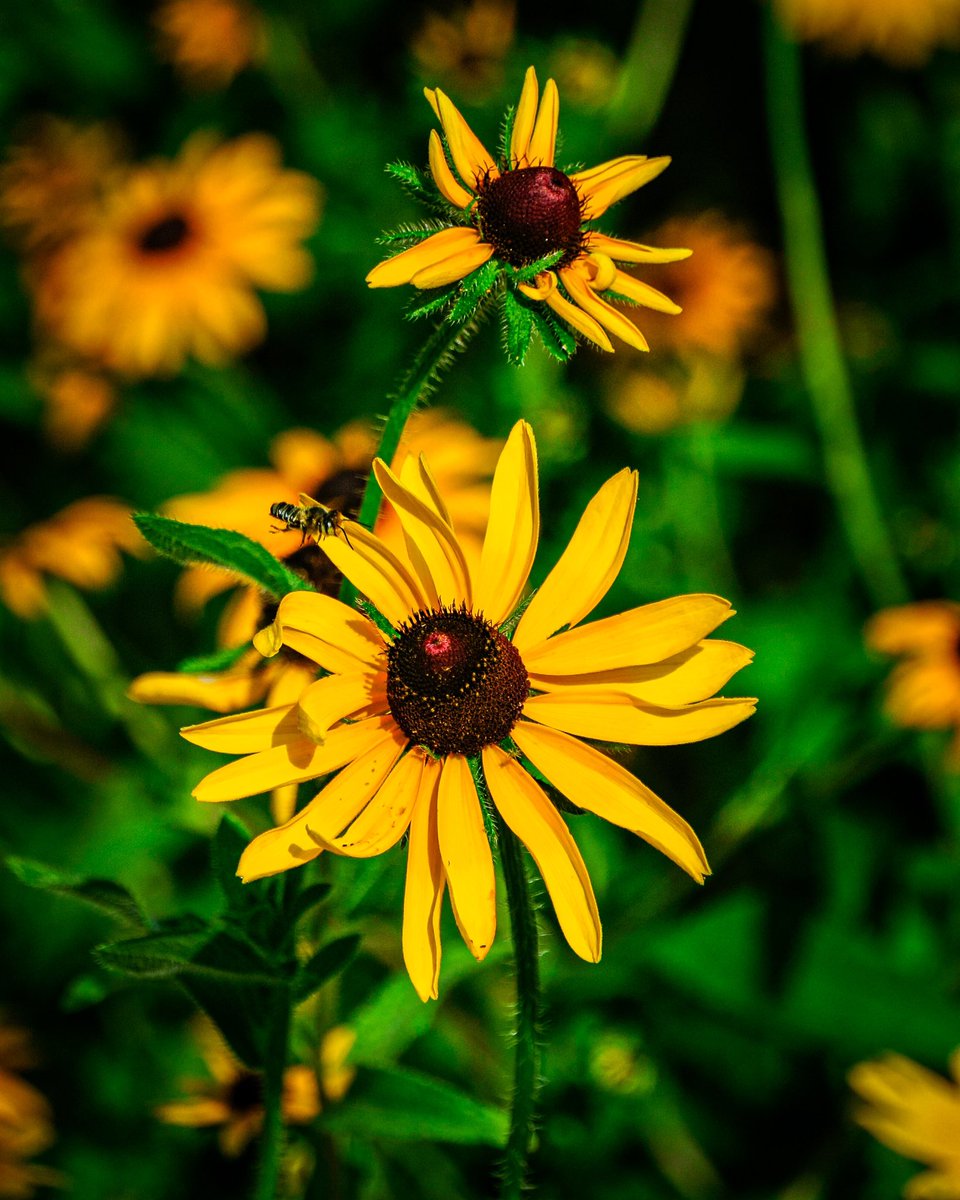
[[164, 235], [529, 213], [454, 682]]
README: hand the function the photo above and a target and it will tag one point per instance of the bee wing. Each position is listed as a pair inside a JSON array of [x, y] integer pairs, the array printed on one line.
[[309, 502]]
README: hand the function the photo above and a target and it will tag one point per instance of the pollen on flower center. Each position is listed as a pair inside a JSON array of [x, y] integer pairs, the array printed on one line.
[[454, 682], [529, 213], [164, 235]]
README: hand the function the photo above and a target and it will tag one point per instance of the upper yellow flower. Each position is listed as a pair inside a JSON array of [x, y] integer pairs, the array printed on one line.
[[408, 720], [522, 211], [905, 32], [209, 41], [916, 1113]]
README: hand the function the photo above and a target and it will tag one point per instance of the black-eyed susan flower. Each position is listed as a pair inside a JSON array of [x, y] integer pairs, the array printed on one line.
[[210, 41], [232, 1098], [467, 47], [916, 1113], [904, 32], [520, 225], [451, 685], [923, 690], [176, 253]]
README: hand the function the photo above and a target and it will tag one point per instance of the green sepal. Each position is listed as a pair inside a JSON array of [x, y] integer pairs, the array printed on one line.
[[376, 616], [432, 305], [472, 291], [506, 133], [328, 961], [556, 338], [411, 179], [219, 660], [526, 273], [411, 233], [225, 548], [509, 626], [102, 894], [516, 327], [405, 1105]]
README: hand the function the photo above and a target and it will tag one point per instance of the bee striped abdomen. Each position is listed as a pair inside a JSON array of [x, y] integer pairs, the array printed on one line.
[[290, 514]]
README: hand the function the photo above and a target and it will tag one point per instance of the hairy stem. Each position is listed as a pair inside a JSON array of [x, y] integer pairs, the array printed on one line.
[[821, 355]]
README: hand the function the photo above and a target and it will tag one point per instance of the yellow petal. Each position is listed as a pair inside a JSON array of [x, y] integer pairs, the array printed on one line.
[[457, 266], [603, 186], [330, 811], [587, 567], [592, 781], [246, 733], [467, 861], [202, 1110], [337, 637], [524, 119], [643, 293], [377, 573], [224, 692], [385, 819], [439, 560], [470, 158], [536, 822], [424, 889], [580, 320], [683, 678], [613, 717], [513, 528], [609, 317], [431, 95], [434, 249], [543, 140], [294, 763], [329, 700], [621, 250], [443, 177], [543, 286], [637, 637]]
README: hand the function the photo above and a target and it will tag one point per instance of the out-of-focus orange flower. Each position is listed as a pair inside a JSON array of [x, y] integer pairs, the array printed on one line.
[[210, 41], [916, 1113], [466, 50], [923, 691], [176, 254], [904, 32], [52, 183], [26, 1122], [703, 388], [81, 544], [77, 402], [585, 71]]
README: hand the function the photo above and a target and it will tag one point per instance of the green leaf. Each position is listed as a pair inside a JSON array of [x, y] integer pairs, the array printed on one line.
[[189, 544], [516, 327], [229, 842], [102, 894], [305, 901], [473, 289], [219, 660], [556, 338], [407, 1106], [328, 961], [168, 955]]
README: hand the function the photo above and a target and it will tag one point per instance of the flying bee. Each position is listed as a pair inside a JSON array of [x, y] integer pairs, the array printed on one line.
[[311, 518]]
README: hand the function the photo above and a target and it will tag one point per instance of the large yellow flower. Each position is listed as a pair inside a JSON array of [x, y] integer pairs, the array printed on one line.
[[522, 210], [905, 32], [168, 270], [443, 688], [916, 1113]]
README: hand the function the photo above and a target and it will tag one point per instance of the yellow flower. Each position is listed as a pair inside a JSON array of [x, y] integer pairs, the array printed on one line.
[[77, 402], [521, 210], [468, 47], [916, 1113], [404, 718], [233, 1098], [53, 180], [26, 1123], [168, 269], [923, 691], [210, 41], [80, 544], [905, 32]]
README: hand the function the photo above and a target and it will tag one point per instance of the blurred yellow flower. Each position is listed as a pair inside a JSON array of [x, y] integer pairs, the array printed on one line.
[[52, 183], [210, 41], [916, 1113], [726, 290], [905, 32], [77, 402], [26, 1122], [704, 388], [586, 72], [525, 209], [233, 1098], [466, 48], [169, 267], [404, 720], [923, 691], [81, 544]]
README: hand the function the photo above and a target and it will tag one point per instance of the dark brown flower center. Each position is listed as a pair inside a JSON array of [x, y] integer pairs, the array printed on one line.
[[454, 682], [529, 213], [165, 235], [246, 1092]]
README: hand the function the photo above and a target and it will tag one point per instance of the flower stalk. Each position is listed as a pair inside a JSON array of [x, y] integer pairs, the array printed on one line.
[[649, 66]]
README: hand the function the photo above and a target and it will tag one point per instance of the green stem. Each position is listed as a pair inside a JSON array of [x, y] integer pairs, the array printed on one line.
[[433, 358], [821, 356], [523, 924], [649, 66], [272, 1137]]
